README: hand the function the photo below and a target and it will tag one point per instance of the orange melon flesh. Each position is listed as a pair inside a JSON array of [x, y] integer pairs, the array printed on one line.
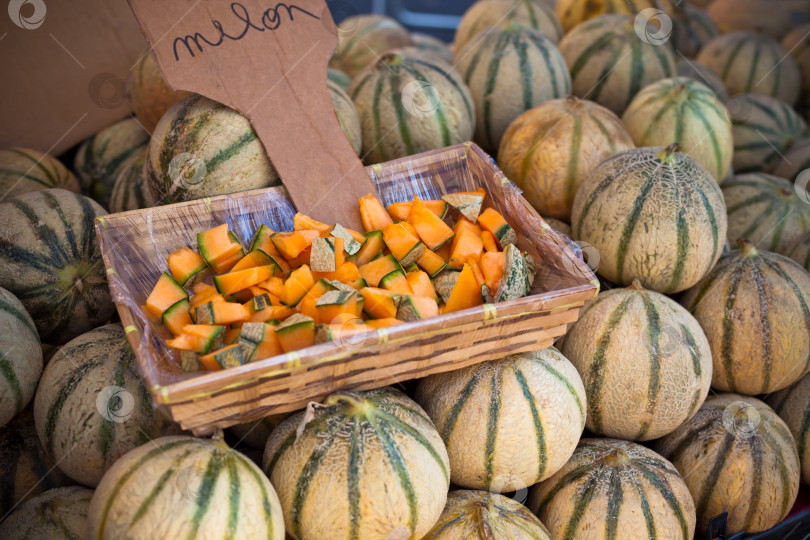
[[208, 363], [242, 279], [202, 291], [176, 317], [347, 273], [196, 337], [421, 285], [465, 294], [467, 246], [373, 214], [274, 286], [271, 313], [400, 240], [192, 308], [427, 306], [293, 244], [357, 235], [488, 241], [464, 224], [431, 229], [490, 220], [219, 248], [477, 273], [166, 293], [329, 313], [430, 262], [262, 241], [239, 296], [492, 264], [302, 258], [228, 260], [444, 251], [220, 313], [399, 211], [254, 259], [296, 333], [373, 245], [184, 263], [379, 303], [231, 335], [338, 331], [377, 269], [383, 323], [307, 304], [302, 222], [269, 346], [296, 286], [339, 257], [396, 282]]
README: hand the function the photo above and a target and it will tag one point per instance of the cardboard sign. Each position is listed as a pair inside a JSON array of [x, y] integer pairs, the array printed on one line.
[[267, 60]]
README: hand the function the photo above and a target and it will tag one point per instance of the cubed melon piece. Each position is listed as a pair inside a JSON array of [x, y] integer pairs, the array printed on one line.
[[414, 308], [396, 282], [429, 227], [260, 340], [255, 259], [297, 285], [177, 316], [262, 241], [271, 313], [231, 335], [166, 293], [495, 223], [184, 264], [444, 283], [220, 313], [325, 333], [468, 203], [199, 338], [220, 248], [373, 214], [492, 264], [464, 224], [377, 269], [421, 285], [293, 244], [466, 292], [379, 303], [514, 282], [327, 254], [431, 262], [242, 279], [296, 332], [372, 247], [403, 243], [307, 304], [399, 211], [274, 286], [306, 223], [352, 240], [466, 247], [333, 303], [226, 357]]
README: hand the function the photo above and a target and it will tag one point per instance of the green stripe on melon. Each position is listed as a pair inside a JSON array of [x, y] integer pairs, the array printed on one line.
[[610, 487], [20, 357], [408, 105], [362, 39], [57, 514], [485, 15], [654, 215], [94, 377], [764, 129], [477, 515], [766, 210], [182, 487], [508, 72], [497, 421], [639, 343], [201, 148], [131, 190], [549, 150], [25, 468], [347, 451], [751, 62], [23, 170], [100, 158], [737, 456], [686, 111], [754, 354], [793, 406], [610, 64], [696, 71], [50, 260]]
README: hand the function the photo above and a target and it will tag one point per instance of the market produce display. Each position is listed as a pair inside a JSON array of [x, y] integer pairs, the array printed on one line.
[[668, 143], [737, 456], [321, 282]]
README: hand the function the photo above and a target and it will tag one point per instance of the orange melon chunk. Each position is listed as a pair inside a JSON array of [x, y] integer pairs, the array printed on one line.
[[431, 262], [373, 245], [414, 308], [176, 317], [379, 303], [220, 313], [296, 332], [165, 294], [399, 211], [464, 224], [202, 292], [492, 264], [271, 313], [296, 286], [467, 246], [274, 286], [242, 279], [199, 338], [335, 303], [377, 269], [373, 214], [488, 241], [302, 222], [495, 223], [466, 293], [184, 264], [403, 243], [421, 285], [293, 244], [220, 248], [431, 229], [255, 259]]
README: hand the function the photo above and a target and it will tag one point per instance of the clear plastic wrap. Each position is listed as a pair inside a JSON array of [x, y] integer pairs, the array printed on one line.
[[135, 246]]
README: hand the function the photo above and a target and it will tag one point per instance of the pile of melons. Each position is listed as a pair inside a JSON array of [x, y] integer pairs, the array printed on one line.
[[668, 139]]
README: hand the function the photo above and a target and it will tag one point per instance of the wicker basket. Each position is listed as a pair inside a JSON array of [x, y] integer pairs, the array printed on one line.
[[135, 246]]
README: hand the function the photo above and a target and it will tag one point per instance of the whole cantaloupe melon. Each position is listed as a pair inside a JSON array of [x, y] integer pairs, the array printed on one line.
[[549, 150], [508, 423], [485, 15], [644, 360], [573, 12], [95, 377], [652, 214], [362, 39], [347, 115], [331, 465], [50, 260], [692, 69], [737, 456], [23, 170], [57, 514], [131, 190], [20, 357], [792, 404], [754, 307], [151, 97]]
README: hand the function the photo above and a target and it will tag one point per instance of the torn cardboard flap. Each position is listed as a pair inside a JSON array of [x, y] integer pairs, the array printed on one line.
[[268, 61]]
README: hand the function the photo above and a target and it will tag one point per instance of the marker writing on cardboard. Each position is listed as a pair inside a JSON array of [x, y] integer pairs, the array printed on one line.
[[271, 19]]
